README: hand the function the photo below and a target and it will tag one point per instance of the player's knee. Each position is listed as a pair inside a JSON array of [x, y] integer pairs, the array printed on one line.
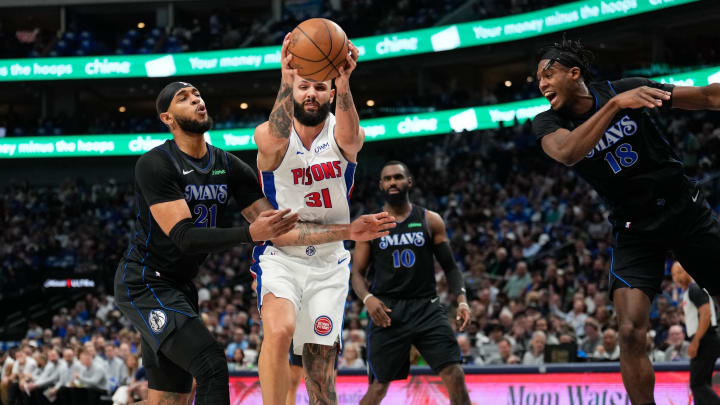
[[210, 365], [278, 330], [377, 391], [632, 336]]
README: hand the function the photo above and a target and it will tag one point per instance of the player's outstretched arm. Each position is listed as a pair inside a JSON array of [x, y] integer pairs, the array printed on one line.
[[348, 134], [272, 137], [359, 264], [365, 227], [444, 256], [697, 98], [569, 147]]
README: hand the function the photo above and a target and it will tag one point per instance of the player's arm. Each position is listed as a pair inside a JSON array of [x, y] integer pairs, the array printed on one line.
[[702, 302], [348, 134], [569, 147], [697, 98], [161, 189], [364, 228], [444, 256], [377, 310], [272, 137]]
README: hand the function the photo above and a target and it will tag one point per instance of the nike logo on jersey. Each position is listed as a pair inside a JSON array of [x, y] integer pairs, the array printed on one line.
[[298, 153], [188, 171], [434, 300], [342, 260], [696, 195]]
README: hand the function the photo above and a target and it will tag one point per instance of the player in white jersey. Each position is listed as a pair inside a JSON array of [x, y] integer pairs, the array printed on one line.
[[307, 159]]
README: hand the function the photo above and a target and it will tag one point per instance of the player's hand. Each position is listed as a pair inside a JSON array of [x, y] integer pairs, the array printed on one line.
[[463, 316], [640, 97], [371, 226], [288, 73], [271, 224], [378, 312], [692, 349], [349, 66]]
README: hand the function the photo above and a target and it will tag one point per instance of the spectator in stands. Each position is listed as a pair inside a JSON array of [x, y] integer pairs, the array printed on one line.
[[467, 352], [488, 346], [238, 341], [88, 383], [677, 345], [7, 367], [49, 376], [576, 317], [351, 357], [592, 337], [654, 354], [117, 371], [23, 369], [518, 282], [505, 355], [609, 350], [536, 354], [237, 361]]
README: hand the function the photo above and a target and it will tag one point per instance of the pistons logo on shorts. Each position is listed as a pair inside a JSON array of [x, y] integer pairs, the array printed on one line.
[[310, 250], [323, 325]]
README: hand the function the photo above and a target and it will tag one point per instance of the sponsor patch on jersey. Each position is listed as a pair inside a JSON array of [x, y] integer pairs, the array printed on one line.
[[219, 171], [323, 325], [157, 319], [414, 224], [310, 250]]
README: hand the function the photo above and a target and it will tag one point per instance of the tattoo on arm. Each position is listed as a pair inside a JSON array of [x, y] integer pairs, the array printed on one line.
[[170, 398], [319, 364], [282, 113], [308, 233], [345, 101]]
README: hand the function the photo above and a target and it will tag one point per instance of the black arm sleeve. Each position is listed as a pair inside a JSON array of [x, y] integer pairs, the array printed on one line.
[[157, 178], [455, 279], [630, 83], [697, 295], [243, 182], [193, 240]]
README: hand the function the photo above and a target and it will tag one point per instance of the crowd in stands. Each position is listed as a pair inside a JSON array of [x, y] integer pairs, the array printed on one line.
[[531, 238]]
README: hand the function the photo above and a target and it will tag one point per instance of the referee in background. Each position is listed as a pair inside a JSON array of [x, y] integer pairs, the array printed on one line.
[[701, 325]]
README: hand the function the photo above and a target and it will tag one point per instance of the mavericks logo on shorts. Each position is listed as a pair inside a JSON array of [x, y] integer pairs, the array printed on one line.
[[323, 325], [157, 320]]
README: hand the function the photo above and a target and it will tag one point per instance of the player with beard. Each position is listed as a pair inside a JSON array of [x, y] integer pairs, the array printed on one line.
[[611, 133], [307, 158], [183, 188], [402, 302]]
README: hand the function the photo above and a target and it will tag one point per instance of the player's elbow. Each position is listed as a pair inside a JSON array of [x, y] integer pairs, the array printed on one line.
[[712, 94]]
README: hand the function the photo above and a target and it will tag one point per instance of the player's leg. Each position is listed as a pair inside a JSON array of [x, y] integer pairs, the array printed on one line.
[[296, 376], [701, 369], [375, 393], [319, 366], [632, 306], [278, 323], [435, 340], [453, 377]]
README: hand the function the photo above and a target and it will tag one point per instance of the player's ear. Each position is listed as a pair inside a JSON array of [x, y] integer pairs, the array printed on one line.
[[332, 95], [166, 118], [575, 73]]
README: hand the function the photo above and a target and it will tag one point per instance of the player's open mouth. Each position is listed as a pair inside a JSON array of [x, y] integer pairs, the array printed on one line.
[[551, 96], [201, 110]]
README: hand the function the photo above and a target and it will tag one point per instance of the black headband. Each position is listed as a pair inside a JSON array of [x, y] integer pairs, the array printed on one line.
[[568, 59], [162, 102]]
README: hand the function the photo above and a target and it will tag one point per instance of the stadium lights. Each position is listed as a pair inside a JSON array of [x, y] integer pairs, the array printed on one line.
[[141, 25], [243, 106], [529, 79], [508, 83], [122, 109], [370, 103]]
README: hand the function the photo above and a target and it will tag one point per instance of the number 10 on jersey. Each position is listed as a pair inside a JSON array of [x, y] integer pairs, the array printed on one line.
[[321, 199]]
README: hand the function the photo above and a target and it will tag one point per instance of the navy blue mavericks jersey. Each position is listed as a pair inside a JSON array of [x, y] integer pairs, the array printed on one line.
[[632, 167], [165, 173], [402, 263]]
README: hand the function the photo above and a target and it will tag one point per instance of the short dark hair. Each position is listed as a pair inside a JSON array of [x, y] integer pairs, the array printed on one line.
[[397, 162], [575, 48]]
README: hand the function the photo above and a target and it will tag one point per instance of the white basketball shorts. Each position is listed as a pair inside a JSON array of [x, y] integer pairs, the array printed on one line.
[[318, 289]]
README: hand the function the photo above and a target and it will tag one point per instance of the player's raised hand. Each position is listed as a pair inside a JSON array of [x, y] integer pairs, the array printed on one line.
[[272, 223], [288, 73], [371, 226], [640, 97], [350, 64], [378, 311]]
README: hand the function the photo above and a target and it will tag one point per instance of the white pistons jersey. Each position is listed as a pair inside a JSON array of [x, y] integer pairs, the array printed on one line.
[[316, 183]]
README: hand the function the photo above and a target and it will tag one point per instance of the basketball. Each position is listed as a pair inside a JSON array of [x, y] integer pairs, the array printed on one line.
[[319, 48]]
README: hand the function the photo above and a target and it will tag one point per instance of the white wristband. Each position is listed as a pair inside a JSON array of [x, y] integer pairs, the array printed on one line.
[[366, 297], [464, 304]]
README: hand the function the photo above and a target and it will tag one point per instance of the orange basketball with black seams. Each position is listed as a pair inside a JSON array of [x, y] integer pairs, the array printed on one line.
[[319, 48]]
